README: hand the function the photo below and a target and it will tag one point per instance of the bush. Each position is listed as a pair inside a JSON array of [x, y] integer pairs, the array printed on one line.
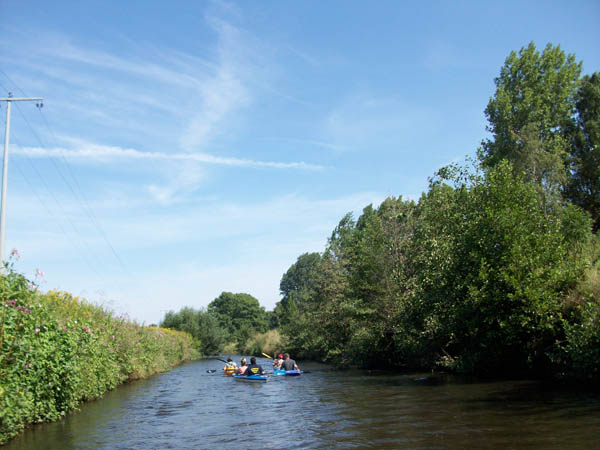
[[57, 351], [269, 343]]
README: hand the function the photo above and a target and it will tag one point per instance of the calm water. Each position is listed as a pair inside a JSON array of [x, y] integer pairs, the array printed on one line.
[[189, 408]]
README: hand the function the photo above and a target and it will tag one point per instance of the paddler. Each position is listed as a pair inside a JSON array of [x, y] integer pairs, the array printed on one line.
[[230, 366], [288, 364], [277, 362], [253, 368], [242, 369]]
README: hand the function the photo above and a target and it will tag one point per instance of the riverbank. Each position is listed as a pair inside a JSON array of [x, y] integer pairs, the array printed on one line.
[[58, 351]]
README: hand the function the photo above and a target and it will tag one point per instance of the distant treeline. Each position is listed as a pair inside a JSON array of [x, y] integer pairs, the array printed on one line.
[[495, 269], [232, 322]]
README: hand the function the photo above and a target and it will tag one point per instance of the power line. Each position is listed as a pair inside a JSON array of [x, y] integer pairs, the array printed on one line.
[[9, 101], [75, 229], [53, 216], [84, 204], [81, 198]]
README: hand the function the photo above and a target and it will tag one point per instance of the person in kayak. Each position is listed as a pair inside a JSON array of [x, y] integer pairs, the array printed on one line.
[[288, 364], [229, 365], [277, 362], [242, 369], [253, 368]]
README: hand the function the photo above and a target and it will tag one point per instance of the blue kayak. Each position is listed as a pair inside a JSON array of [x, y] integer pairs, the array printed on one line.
[[287, 373], [254, 378]]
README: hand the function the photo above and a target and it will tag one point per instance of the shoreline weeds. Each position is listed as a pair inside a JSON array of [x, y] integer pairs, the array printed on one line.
[[59, 351]]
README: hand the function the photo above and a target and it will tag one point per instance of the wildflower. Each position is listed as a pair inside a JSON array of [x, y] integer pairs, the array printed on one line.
[[26, 366], [37, 330], [14, 253]]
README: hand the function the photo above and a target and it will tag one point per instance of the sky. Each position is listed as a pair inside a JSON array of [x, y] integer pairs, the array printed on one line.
[[187, 148]]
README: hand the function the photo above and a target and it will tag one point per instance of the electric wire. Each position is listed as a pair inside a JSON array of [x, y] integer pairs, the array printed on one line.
[[83, 204], [79, 197], [75, 244]]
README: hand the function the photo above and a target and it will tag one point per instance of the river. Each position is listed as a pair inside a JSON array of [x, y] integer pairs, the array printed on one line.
[[192, 408]]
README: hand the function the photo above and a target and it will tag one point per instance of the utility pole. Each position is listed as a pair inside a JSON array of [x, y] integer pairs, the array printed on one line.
[[8, 101]]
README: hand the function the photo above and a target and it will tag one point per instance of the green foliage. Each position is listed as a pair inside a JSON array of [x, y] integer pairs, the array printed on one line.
[[57, 351], [209, 336], [531, 112], [491, 270], [505, 268], [472, 278], [584, 182], [240, 315], [269, 343], [296, 287]]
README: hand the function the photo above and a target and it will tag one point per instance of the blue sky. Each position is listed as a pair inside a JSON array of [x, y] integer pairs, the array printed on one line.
[[190, 148]]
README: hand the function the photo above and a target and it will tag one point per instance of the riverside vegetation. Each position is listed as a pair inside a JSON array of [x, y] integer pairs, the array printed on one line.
[[494, 271], [57, 351]]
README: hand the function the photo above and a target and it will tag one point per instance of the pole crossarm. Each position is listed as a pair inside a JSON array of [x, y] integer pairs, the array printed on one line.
[[19, 99]]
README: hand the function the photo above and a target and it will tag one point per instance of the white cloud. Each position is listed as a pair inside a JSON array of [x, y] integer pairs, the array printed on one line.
[[94, 153]]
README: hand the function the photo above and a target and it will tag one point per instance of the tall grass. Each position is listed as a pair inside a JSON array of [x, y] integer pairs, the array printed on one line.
[[269, 343], [57, 351]]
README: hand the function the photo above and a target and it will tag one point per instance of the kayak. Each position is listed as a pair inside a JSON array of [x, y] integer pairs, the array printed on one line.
[[254, 378], [229, 371], [287, 373]]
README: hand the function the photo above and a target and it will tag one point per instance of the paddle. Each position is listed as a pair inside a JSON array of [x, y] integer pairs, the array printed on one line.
[[264, 354]]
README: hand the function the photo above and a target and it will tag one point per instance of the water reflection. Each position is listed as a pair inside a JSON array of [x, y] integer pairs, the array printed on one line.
[[190, 408]]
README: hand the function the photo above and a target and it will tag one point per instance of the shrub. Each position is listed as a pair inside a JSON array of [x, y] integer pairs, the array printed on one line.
[[57, 351]]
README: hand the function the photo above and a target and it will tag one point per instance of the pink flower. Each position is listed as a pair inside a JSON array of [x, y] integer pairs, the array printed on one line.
[[14, 253], [37, 330]]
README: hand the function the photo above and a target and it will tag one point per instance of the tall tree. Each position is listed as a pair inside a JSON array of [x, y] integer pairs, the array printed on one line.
[[297, 286], [239, 314], [530, 113], [209, 337], [584, 184]]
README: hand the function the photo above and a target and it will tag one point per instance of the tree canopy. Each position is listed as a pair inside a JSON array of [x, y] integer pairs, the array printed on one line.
[[584, 184], [208, 335], [240, 314], [531, 111], [495, 269]]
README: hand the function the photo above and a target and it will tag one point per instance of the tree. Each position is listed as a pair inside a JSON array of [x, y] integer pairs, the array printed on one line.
[[584, 184], [209, 337], [530, 114], [297, 286], [239, 314]]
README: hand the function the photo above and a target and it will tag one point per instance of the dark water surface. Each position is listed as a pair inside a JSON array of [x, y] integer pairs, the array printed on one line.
[[189, 408]]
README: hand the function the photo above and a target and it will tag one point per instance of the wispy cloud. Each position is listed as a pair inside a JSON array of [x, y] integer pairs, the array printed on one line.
[[108, 154]]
